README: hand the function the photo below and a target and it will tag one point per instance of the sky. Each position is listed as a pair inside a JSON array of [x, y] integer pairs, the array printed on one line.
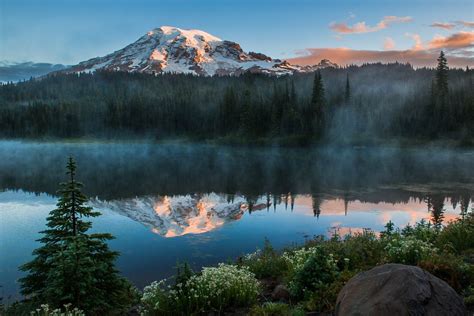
[[302, 31]]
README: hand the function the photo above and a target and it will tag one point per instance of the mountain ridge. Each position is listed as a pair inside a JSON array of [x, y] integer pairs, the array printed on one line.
[[169, 49]]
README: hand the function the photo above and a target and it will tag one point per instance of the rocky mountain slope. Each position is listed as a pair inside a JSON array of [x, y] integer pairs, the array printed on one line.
[[173, 50]]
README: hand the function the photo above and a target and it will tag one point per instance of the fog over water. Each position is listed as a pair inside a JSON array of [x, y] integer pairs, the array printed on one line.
[[169, 202]]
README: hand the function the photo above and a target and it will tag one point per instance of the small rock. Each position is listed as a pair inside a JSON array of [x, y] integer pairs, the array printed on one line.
[[396, 289]]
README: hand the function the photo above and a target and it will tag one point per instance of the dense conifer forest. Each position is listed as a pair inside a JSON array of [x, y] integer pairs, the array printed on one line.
[[350, 104]]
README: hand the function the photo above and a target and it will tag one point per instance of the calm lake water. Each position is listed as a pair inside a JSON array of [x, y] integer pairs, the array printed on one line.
[[169, 203]]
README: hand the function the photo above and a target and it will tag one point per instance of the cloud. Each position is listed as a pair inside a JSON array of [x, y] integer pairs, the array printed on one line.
[[443, 25], [417, 39], [458, 47], [388, 44], [465, 23], [362, 27], [454, 41], [347, 56]]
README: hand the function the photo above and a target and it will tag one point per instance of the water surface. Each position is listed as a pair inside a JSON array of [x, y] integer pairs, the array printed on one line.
[[204, 204]]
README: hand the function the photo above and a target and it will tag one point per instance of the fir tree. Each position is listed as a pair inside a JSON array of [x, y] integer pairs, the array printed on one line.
[[318, 101], [442, 76], [72, 266]]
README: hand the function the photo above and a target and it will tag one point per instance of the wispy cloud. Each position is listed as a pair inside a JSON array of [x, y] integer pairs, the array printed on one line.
[[388, 43], [362, 27], [465, 23], [443, 25], [452, 25]]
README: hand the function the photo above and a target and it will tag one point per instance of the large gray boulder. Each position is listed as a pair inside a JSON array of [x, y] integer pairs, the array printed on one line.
[[397, 289]]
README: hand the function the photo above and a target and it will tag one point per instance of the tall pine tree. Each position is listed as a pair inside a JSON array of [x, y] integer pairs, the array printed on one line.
[[317, 103], [73, 266], [441, 116], [442, 76]]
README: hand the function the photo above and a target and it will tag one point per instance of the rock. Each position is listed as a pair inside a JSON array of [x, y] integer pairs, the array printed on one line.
[[396, 289], [281, 293]]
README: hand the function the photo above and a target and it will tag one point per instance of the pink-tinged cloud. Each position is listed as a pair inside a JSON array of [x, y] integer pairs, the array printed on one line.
[[443, 25], [362, 27], [388, 44], [347, 56], [465, 23], [456, 40], [417, 39]]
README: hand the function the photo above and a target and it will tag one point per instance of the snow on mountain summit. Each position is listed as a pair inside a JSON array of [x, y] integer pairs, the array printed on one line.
[[174, 50]]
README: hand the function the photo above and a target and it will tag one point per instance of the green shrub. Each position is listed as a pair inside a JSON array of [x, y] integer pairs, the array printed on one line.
[[458, 236], [270, 309], [407, 250], [296, 258], [360, 251], [275, 309], [215, 289], [45, 310], [451, 269], [265, 263], [469, 298], [423, 230], [319, 270], [324, 298]]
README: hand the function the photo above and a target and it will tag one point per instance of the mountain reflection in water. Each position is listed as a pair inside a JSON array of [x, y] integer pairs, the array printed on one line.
[[172, 216]]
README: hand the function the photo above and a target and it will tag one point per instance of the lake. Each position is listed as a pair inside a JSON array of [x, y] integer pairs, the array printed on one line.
[[170, 202]]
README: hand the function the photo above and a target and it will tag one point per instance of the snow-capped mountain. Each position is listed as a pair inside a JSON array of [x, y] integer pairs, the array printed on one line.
[[174, 50]]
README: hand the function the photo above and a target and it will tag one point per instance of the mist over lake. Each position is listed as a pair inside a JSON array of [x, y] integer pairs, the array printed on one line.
[[174, 202]]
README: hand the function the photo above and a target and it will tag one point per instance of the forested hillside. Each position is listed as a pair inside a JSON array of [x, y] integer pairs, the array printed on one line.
[[373, 101]]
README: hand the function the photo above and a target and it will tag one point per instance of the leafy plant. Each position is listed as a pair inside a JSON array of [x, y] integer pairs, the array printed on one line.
[[407, 250], [422, 230], [319, 270], [458, 235], [214, 289], [276, 309], [265, 263], [45, 310]]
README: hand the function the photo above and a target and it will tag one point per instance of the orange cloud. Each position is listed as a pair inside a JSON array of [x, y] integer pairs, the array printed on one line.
[[457, 40], [418, 44], [443, 25], [388, 44], [361, 27], [347, 56]]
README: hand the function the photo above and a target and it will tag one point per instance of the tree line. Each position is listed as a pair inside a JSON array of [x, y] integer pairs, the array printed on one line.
[[372, 101]]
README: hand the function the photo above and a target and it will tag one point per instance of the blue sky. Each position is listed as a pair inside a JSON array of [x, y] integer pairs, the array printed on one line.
[[69, 31]]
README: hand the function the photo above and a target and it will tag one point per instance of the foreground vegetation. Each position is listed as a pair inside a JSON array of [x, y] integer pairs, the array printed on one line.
[[315, 273], [73, 272]]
